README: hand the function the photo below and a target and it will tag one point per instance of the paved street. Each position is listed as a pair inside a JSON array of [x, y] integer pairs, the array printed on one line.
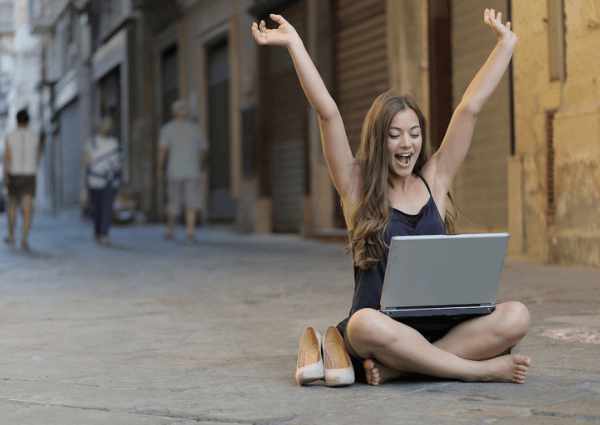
[[154, 332]]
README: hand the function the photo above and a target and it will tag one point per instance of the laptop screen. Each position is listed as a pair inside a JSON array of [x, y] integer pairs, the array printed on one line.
[[444, 270]]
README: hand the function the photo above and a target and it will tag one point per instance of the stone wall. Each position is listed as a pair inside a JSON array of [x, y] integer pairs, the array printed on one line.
[[558, 134]]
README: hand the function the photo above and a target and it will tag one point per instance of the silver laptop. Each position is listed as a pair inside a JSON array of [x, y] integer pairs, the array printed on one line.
[[443, 274]]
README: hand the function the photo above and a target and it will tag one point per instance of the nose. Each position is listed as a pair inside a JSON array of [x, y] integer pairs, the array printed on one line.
[[405, 141]]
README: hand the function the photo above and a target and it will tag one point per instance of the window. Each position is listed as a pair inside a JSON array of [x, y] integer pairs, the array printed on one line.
[[556, 36]]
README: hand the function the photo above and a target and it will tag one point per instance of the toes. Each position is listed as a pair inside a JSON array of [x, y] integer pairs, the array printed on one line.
[[522, 360], [525, 361], [521, 368], [372, 372]]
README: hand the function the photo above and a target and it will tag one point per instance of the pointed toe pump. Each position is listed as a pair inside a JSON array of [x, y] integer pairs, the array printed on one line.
[[338, 366], [310, 361]]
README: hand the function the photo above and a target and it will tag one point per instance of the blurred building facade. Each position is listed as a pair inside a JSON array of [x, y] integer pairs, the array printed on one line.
[[532, 168], [84, 53], [19, 72]]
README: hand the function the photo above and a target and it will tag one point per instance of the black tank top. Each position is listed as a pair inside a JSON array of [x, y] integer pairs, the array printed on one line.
[[368, 284]]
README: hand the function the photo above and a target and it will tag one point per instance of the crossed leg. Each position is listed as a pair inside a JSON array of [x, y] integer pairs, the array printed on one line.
[[468, 352]]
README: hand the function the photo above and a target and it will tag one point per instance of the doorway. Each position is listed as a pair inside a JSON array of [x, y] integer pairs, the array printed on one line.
[[170, 81], [110, 99], [221, 204]]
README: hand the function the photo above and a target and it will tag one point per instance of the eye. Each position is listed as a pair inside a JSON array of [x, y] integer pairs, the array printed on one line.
[[394, 136], [414, 136]]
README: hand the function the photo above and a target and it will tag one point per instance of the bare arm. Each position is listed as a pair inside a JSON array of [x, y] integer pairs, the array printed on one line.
[[333, 134], [460, 131]]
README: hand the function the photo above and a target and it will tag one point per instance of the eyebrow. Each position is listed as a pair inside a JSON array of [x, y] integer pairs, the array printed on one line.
[[412, 128]]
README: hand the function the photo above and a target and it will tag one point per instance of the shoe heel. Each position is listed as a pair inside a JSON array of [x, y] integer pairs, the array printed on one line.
[[338, 366], [310, 361]]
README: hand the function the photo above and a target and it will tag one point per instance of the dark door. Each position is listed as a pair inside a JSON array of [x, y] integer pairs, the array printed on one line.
[[110, 99], [286, 118], [170, 73], [440, 70], [70, 155], [221, 205]]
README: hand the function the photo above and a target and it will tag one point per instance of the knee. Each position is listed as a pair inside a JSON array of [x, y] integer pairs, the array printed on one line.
[[365, 328], [515, 320]]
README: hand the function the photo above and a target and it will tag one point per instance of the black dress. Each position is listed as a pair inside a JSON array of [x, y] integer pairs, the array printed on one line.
[[369, 283]]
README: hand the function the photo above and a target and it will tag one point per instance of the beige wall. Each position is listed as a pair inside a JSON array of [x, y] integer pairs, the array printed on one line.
[[211, 21], [573, 235]]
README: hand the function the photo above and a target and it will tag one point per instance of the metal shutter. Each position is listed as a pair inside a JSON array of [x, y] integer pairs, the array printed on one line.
[[481, 185], [287, 118], [361, 59], [70, 155]]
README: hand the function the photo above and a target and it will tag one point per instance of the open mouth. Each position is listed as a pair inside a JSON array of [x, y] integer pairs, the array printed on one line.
[[404, 158]]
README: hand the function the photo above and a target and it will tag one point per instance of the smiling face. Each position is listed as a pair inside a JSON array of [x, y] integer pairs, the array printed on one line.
[[404, 143]]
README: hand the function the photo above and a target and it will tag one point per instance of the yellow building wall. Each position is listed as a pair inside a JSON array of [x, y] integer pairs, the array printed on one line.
[[480, 187], [569, 234]]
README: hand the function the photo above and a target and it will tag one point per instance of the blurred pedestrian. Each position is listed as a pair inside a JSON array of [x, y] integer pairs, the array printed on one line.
[[103, 161], [187, 149], [21, 160]]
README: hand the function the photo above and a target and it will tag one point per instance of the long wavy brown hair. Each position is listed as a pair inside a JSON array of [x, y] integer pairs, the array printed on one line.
[[369, 218]]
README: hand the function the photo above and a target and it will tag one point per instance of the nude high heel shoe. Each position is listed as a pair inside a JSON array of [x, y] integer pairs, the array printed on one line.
[[310, 361], [338, 366]]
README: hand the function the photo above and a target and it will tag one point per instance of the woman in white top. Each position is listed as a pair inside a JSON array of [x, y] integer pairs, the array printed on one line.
[[103, 161], [21, 160]]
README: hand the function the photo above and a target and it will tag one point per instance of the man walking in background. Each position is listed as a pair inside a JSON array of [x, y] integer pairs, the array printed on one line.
[[21, 160], [187, 149]]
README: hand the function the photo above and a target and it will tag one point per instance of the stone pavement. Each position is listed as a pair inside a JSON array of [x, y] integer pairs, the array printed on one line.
[[154, 332]]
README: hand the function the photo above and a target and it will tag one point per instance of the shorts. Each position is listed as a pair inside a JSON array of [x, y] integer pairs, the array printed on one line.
[[21, 185], [432, 328], [186, 191]]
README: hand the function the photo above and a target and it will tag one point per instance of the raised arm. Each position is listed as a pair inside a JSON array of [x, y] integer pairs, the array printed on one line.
[[333, 134], [458, 137]]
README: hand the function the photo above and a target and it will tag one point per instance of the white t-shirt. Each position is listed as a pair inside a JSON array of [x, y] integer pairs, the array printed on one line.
[[104, 162], [185, 142], [23, 145]]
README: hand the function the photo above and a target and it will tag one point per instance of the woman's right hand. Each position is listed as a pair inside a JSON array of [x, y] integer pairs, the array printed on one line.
[[282, 36], [502, 31]]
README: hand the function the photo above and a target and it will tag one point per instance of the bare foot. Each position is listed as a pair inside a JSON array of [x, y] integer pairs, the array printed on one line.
[[378, 373], [510, 368]]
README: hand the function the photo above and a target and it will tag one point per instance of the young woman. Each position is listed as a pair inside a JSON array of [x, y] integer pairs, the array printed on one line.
[[397, 185]]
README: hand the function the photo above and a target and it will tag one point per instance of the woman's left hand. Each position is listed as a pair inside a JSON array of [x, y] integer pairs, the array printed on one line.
[[502, 31]]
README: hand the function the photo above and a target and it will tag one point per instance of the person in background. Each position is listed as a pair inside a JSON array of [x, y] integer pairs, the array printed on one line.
[[21, 160], [187, 149], [103, 161]]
